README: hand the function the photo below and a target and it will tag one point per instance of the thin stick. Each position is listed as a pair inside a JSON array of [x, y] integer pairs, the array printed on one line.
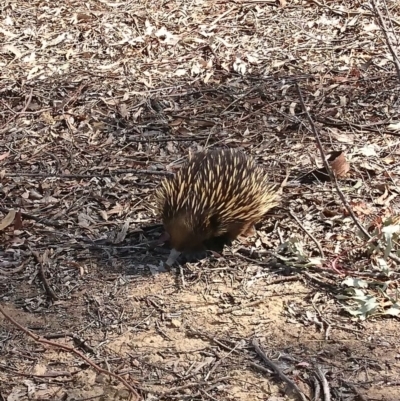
[[358, 394], [308, 233], [41, 260], [277, 371], [317, 389], [46, 284], [325, 384], [388, 41]]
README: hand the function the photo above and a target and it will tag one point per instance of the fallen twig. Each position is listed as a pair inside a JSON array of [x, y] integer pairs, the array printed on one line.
[[317, 389], [325, 384], [41, 260], [277, 371], [79, 341], [321, 252], [392, 50], [358, 394]]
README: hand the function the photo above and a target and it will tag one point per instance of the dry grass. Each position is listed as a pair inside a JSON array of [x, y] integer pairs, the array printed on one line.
[[98, 97]]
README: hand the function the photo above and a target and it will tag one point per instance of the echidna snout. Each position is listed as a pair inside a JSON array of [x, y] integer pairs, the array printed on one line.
[[218, 193], [183, 238]]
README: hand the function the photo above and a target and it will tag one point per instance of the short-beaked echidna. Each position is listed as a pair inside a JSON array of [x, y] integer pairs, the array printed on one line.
[[217, 193]]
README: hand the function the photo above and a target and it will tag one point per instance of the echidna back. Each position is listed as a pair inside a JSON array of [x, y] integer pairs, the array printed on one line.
[[216, 192]]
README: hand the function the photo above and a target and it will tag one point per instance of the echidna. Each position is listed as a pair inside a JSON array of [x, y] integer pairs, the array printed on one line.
[[217, 193]]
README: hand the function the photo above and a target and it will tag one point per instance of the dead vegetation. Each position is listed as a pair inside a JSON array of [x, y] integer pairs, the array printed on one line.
[[98, 99]]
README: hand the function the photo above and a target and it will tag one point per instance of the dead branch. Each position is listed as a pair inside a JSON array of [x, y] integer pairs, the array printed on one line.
[[278, 371], [353, 387], [321, 252], [382, 24], [325, 385], [41, 260]]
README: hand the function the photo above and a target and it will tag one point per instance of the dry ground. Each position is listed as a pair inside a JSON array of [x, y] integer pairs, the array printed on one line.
[[97, 96]]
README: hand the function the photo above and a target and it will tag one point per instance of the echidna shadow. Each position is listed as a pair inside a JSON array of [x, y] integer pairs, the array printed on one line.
[[216, 196]]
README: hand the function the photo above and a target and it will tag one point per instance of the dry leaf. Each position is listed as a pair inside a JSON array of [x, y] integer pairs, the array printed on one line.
[[196, 68], [368, 150], [372, 168], [389, 160], [117, 209], [339, 164], [394, 126], [375, 224], [123, 110], [18, 221], [371, 27], [360, 207], [239, 66], [175, 123], [252, 60], [208, 76], [167, 37], [7, 220], [329, 212], [180, 72], [385, 199], [13, 49], [56, 41], [8, 21], [103, 214], [4, 156], [79, 17], [8, 33], [122, 234], [341, 136]]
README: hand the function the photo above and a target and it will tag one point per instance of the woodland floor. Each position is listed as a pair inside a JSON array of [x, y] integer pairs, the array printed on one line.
[[98, 97]]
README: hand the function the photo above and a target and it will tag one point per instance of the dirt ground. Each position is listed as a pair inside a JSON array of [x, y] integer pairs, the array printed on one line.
[[98, 101]]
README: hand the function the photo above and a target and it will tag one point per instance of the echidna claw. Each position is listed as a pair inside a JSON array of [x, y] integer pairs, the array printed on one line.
[[172, 258], [215, 254]]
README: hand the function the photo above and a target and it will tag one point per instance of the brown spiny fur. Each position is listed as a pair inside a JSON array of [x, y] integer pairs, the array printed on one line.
[[216, 193]]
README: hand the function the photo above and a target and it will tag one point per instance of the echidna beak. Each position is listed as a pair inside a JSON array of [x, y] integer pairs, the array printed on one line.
[[172, 258]]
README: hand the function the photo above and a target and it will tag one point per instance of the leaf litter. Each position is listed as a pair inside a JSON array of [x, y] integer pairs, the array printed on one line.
[[98, 100]]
